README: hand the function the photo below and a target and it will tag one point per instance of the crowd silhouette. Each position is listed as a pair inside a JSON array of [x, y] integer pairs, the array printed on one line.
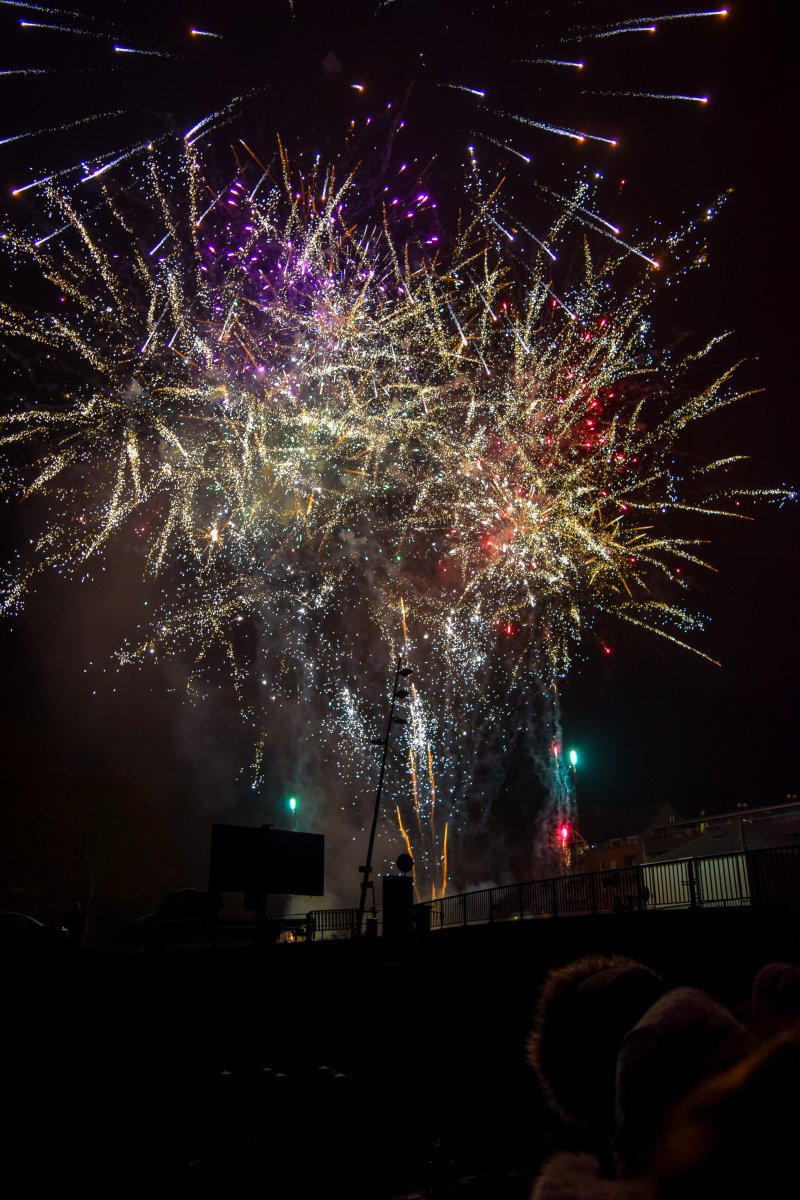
[[663, 1093]]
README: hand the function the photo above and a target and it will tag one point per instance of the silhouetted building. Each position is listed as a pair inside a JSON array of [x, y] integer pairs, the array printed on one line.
[[734, 837], [657, 832], [609, 840]]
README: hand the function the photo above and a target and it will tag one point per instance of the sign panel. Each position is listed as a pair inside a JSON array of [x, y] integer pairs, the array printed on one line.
[[262, 861]]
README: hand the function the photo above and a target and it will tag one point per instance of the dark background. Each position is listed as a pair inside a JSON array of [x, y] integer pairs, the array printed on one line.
[[115, 777]]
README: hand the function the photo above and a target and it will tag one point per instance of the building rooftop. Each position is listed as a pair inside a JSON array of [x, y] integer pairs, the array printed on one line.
[[599, 828], [733, 839]]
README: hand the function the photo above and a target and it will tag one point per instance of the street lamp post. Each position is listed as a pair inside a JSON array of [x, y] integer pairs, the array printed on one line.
[[366, 870]]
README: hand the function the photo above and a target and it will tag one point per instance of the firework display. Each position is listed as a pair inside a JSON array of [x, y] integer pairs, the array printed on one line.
[[341, 435], [337, 424], [118, 81]]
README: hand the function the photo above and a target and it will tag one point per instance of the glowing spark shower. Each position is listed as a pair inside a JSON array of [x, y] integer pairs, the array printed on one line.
[[339, 434]]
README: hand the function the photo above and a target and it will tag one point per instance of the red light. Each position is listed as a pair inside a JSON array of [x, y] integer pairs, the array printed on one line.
[[564, 832]]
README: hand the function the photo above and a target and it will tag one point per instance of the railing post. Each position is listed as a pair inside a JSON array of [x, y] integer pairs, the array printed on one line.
[[690, 880], [639, 888], [750, 877], [464, 906], [555, 897], [593, 885], [520, 901]]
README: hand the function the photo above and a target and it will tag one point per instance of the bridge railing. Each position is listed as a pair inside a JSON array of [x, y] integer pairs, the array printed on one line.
[[717, 881], [331, 920]]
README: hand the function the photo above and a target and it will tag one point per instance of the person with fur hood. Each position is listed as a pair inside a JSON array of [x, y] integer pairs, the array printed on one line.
[[614, 1051]]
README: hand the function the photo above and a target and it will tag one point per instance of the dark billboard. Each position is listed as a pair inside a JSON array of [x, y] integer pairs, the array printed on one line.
[[270, 862]]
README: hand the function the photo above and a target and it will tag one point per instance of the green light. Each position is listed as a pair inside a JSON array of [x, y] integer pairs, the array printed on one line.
[[292, 803], [573, 757]]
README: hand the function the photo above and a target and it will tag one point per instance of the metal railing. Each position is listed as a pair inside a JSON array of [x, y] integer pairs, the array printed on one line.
[[718, 881], [331, 920]]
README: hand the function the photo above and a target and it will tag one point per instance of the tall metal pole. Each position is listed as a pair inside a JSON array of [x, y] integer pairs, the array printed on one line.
[[366, 870]]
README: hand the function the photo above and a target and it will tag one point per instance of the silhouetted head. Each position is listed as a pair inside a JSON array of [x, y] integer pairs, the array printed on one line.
[[685, 1037], [735, 1135], [776, 996], [584, 1011]]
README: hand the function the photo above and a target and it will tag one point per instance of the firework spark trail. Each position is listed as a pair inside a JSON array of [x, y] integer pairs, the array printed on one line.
[[407, 843], [130, 41], [320, 429], [577, 135], [31, 133], [432, 781], [60, 28], [504, 146], [139, 50], [63, 12], [653, 96], [649, 24], [445, 863], [552, 62]]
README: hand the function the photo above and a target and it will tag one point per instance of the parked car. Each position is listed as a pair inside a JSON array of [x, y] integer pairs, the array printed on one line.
[[21, 934]]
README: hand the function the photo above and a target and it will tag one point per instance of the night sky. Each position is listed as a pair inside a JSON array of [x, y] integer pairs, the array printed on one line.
[[119, 761]]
